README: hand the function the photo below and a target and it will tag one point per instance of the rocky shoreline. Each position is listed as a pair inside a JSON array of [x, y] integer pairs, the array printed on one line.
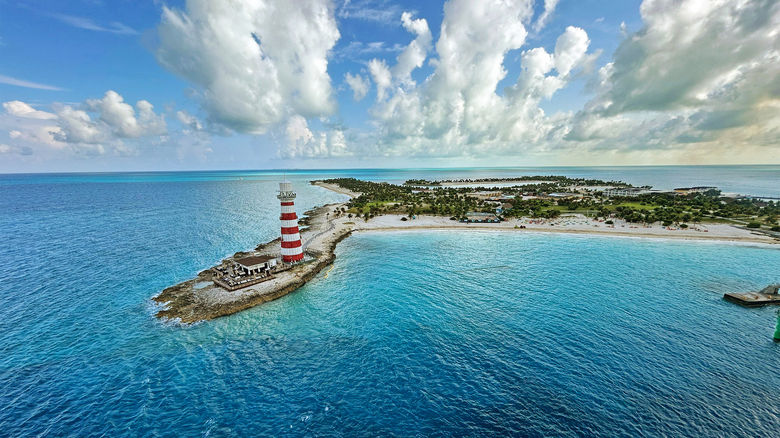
[[199, 299]]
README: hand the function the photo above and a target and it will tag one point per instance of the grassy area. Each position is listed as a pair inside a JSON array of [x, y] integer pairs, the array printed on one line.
[[377, 205]]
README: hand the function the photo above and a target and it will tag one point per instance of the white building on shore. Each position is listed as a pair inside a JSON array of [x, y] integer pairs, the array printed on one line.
[[628, 192]]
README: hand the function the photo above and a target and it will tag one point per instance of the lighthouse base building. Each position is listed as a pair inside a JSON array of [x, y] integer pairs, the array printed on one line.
[[292, 250]]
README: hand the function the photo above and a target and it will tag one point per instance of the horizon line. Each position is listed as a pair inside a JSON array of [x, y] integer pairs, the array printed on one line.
[[377, 168]]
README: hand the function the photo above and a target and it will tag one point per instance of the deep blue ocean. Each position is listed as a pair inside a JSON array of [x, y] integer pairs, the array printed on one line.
[[410, 334]]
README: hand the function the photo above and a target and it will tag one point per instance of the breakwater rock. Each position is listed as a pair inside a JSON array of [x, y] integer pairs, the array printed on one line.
[[199, 299]]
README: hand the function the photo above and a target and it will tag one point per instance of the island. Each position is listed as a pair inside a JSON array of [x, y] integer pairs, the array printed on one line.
[[549, 204]]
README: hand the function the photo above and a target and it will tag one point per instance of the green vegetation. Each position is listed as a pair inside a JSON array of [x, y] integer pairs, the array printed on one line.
[[557, 179], [421, 182], [383, 198], [670, 208], [420, 196]]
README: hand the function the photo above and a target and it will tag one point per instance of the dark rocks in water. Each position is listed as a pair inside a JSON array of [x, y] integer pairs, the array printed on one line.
[[266, 245]]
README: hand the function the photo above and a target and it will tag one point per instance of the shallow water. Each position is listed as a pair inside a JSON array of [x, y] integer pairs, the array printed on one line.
[[431, 333]]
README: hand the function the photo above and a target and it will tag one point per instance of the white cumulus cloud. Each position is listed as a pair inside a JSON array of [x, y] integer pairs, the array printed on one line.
[[189, 120], [690, 52], [697, 74], [254, 62], [8, 150], [458, 110], [381, 75], [413, 56], [108, 119], [544, 17], [358, 84], [29, 126], [76, 126], [20, 109], [124, 120], [303, 143], [696, 80]]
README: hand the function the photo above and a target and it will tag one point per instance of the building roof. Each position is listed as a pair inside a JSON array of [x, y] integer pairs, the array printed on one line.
[[254, 260], [566, 195]]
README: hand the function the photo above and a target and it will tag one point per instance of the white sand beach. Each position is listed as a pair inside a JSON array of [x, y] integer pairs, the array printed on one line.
[[575, 224], [337, 189]]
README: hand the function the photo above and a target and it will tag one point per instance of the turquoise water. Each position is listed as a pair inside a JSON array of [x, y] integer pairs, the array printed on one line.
[[429, 333]]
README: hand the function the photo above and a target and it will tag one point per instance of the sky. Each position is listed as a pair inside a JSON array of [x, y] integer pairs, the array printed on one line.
[[126, 85]]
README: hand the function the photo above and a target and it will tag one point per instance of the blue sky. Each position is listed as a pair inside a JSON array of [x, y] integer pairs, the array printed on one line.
[[151, 85]]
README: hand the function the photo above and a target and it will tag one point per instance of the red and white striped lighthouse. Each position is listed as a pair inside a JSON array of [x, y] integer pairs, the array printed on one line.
[[292, 250]]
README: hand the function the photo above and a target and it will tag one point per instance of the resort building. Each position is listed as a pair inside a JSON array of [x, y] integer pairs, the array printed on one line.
[[256, 264], [566, 195], [628, 192], [292, 250], [244, 272], [476, 217]]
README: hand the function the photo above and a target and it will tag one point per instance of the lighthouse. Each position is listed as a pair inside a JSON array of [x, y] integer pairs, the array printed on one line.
[[292, 250]]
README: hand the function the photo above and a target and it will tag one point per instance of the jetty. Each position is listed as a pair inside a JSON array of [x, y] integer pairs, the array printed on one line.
[[247, 279], [766, 296]]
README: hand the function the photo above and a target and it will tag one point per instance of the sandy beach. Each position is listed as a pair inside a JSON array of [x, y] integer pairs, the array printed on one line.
[[336, 188], [574, 224]]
